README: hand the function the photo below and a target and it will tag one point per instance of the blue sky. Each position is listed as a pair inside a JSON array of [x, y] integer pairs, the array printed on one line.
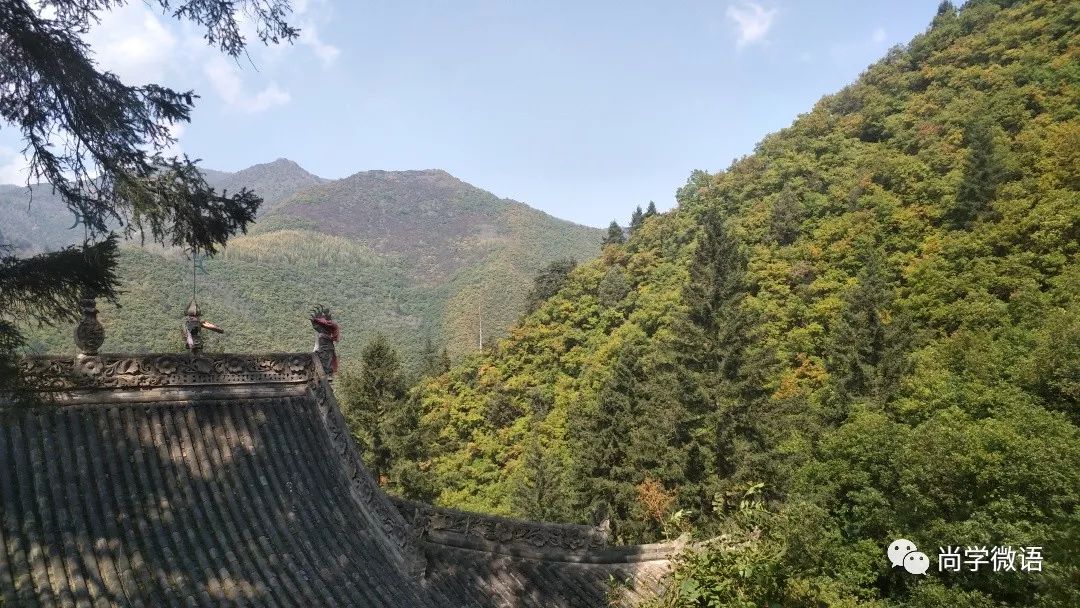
[[582, 109]]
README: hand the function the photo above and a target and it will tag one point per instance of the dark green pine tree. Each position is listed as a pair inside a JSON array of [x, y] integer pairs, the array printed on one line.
[[983, 172], [722, 371], [538, 491], [433, 362], [869, 342], [100, 145], [548, 282], [406, 445], [650, 210], [637, 218], [603, 471], [786, 217], [372, 400], [615, 234], [661, 441], [443, 362], [719, 325]]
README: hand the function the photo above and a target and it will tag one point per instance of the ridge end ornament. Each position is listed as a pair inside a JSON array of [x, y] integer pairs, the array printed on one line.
[[327, 332], [89, 332]]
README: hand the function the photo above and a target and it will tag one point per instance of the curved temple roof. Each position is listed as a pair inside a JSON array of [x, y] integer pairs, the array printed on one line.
[[180, 480]]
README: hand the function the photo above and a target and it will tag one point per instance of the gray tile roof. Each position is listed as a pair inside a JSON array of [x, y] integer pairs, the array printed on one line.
[[167, 480]]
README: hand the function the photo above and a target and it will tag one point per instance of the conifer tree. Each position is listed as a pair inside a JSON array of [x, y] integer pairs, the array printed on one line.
[[722, 373], [548, 282], [786, 217], [662, 437], [636, 219], [443, 362], [613, 287], [603, 469], [100, 145], [869, 341], [650, 210], [538, 491], [615, 234], [983, 171], [372, 399], [433, 362], [714, 294], [407, 449]]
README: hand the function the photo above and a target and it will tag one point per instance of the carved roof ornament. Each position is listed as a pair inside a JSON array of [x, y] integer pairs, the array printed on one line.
[[327, 331], [58, 373], [89, 333], [193, 326]]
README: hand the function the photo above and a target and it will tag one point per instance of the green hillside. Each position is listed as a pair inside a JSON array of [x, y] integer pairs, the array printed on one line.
[[417, 255], [867, 329]]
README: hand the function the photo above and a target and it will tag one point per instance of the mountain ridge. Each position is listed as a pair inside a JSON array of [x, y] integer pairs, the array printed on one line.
[[397, 212], [419, 254]]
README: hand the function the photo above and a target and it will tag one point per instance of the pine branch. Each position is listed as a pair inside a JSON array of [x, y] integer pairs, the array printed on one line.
[[46, 288], [97, 141]]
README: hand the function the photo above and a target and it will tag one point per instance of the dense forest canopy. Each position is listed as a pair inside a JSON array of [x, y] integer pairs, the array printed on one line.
[[867, 329]]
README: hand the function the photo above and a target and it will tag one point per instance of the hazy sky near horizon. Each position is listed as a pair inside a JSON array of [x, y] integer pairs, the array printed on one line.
[[581, 109]]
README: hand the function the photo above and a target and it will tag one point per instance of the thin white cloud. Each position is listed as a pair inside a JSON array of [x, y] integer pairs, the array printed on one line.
[[309, 14], [267, 98], [141, 46], [859, 49], [226, 79], [132, 42], [327, 53], [14, 168], [752, 20]]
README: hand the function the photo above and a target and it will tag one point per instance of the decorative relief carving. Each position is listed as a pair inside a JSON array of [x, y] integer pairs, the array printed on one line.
[[59, 373], [404, 538], [564, 537]]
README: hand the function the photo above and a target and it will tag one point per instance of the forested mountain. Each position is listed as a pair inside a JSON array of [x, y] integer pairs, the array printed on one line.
[[867, 329], [419, 256]]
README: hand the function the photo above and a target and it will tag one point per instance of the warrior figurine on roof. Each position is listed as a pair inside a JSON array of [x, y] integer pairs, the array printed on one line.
[[193, 326], [327, 332]]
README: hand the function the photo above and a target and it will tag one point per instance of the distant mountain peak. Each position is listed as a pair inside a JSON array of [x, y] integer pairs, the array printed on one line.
[[382, 173], [280, 165], [274, 181]]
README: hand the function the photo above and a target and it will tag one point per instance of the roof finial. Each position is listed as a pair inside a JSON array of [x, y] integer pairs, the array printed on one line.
[[193, 326], [89, 333], [327, 332]]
